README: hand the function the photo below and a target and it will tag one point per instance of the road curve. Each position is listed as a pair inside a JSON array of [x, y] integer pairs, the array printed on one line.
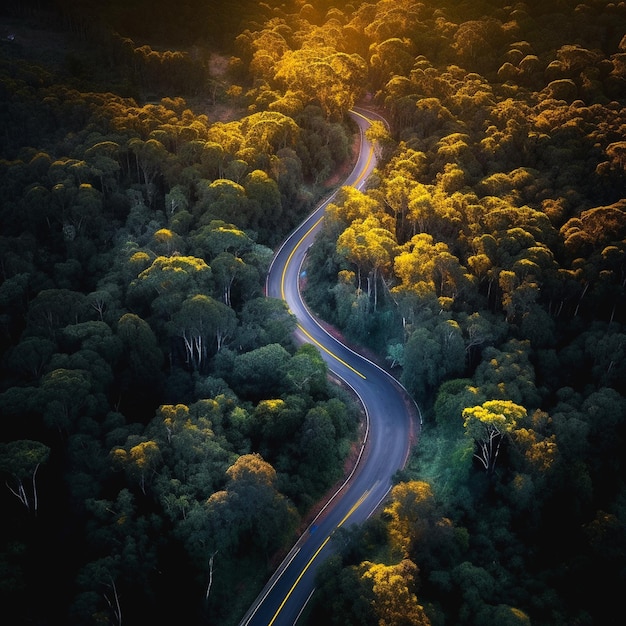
[[389, 429]]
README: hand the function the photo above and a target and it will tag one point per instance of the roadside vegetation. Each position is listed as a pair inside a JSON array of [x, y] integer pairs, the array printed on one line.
[[164, 438]]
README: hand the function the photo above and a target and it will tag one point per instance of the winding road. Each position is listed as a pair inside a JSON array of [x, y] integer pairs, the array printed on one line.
[[388, 434]]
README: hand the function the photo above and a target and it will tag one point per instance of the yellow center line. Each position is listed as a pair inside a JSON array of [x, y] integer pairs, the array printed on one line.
[[358, 180], [362, 174], [356, 505], [282, 604], [325, 349], [317, 343], [306, 567], [290, 257], [282, 293], [282, 278]]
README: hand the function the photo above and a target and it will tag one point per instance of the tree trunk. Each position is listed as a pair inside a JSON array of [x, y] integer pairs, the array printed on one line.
[[208, 589]]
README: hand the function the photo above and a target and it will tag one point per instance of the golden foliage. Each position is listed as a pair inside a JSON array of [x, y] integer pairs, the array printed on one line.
[[395, 602]]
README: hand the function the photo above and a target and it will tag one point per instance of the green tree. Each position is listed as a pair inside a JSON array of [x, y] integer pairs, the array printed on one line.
[[452, 397], [264, 321], [194, 456], [168, 282], [262, 514], [224, 200], [226, 268], [217, 237], [477, 587], [200, 320], [53, 309], [150, 157], [481, 329], [21, 460], [260, 373], [117, 529], [140, 368], [318, 449], [307, 371], [139, 459], [343, 597], [433, 352], [94, 336], [30, 357], [167, 243], [265, 204], [62, 397], [507, 373], [105, 301]]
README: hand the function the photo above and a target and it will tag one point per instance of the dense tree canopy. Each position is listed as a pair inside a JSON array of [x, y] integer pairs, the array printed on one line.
[[501, 303], [163, 433]]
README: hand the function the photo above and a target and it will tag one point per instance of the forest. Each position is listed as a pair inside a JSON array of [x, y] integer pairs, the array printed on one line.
[[165, 438]]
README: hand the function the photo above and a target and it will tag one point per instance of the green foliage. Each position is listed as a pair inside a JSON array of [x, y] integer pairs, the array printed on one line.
[[343, 598], [142, 185], [21, 460], [432, 354], [260, 372], [452, 397], [265, 321]]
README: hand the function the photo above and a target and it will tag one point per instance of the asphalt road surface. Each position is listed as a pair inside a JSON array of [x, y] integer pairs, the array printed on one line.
[[389, 414]]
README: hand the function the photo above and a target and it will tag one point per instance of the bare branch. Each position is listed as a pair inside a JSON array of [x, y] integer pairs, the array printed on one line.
[[20, 494], [35, 498]]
